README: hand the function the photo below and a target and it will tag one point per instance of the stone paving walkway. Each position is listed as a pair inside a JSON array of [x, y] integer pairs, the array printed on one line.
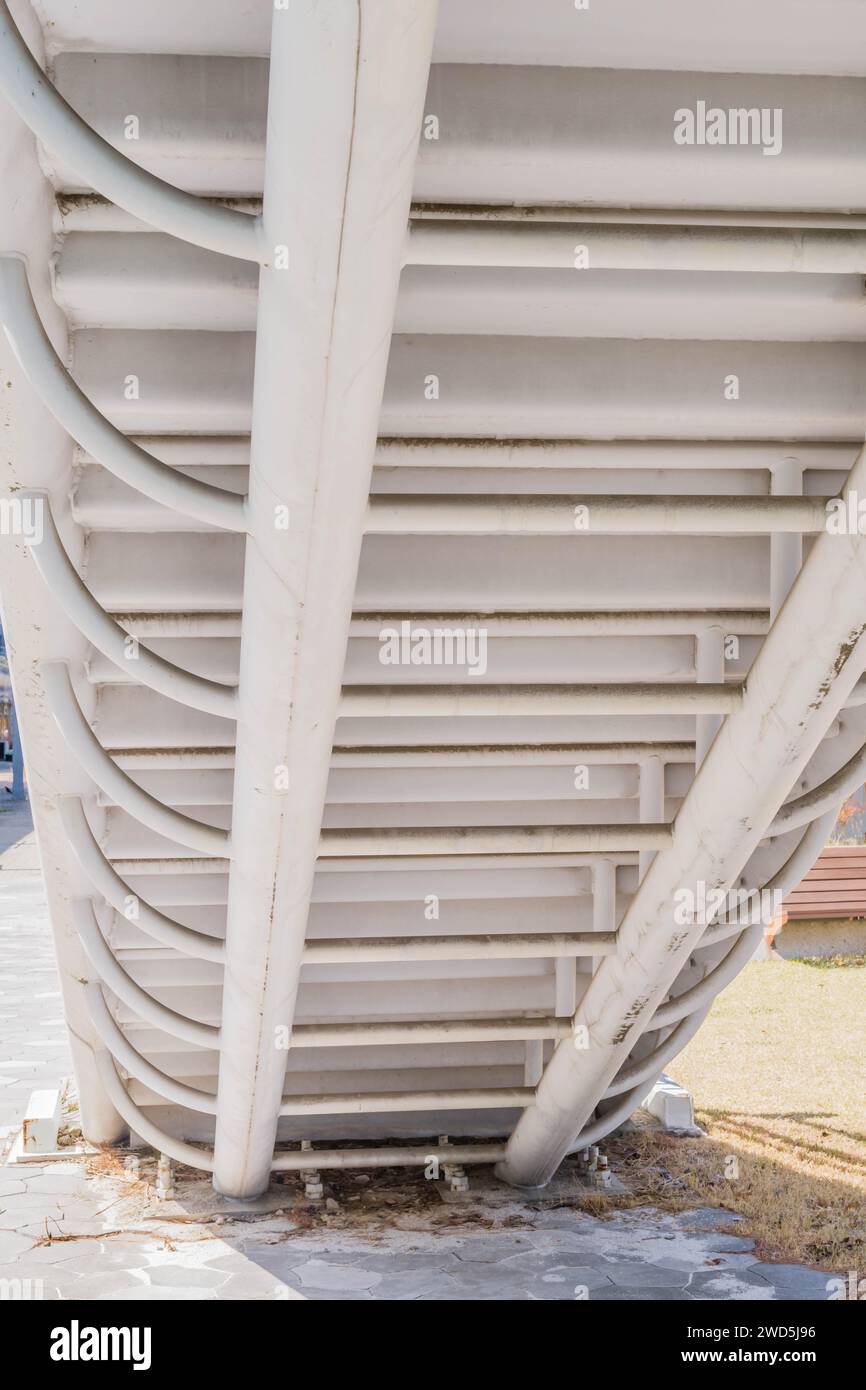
[[93, 1228], [33, 1048]]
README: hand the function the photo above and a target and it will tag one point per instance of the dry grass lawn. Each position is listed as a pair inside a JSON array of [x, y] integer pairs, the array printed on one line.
[[778, 1073]]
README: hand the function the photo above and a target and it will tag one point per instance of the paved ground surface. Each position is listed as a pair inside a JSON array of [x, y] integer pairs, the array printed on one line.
[[33, 1046], [93, 1228]]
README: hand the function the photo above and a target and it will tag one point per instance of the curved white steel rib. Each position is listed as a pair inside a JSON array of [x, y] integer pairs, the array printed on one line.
[[721, 974], [112, 973], [141, 1123], [61, 130], [122, 1050], [80, 417], [120, 896], [824, 798], [112, 780], [113, 641]]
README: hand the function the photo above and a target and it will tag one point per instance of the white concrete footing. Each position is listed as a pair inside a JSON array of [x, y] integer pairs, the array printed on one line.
[[672, 1105]]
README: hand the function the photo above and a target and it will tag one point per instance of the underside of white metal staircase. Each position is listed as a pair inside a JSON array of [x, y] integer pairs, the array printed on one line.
[[416, 568]]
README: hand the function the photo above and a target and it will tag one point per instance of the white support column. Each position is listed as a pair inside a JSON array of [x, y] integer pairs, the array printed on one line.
[[786, 548], [806, 669], [533, 1064], [710, 670], [566, 986], [347, 85], [604, 896], [651, 803]]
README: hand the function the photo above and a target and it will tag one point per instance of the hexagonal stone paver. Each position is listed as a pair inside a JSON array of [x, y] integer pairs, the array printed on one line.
[[795, 1281], [740, 1284], [185, 1276], [13, 1245], [613, 1294], [639, 1276], [321, 1274], [490, 1249], [568, 1263]]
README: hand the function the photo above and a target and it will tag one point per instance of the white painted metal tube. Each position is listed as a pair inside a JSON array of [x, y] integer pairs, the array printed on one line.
[[705, 991], [592, 514], [647, 1068], [118, 894], [66, 585], [809, 663], [132, 1061], [826, 797], [745, 622], [509, 946], [600, 1128], [491, 839], [112, 973], [405, 1102], [111, 779], [448, 1030], [452, 701], [395, 1156], [792, 871], [536, 245], [137, 1120], [345, 103], [61, 130], [87, 425]]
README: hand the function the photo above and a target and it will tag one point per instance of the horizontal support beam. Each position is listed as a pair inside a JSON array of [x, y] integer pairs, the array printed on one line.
[[444, 701], [530, 453], [592, 514], [408, 1102], [448, 1030], [664, 623], [577, 245], [508, 946], [496, 839]]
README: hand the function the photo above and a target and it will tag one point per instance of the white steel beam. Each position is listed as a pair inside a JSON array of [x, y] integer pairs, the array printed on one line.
[[808, 665], [541, 245], [347, 86], [440, 701], [590, 514]]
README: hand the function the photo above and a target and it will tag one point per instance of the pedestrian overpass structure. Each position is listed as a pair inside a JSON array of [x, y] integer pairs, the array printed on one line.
[[423, 595]]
